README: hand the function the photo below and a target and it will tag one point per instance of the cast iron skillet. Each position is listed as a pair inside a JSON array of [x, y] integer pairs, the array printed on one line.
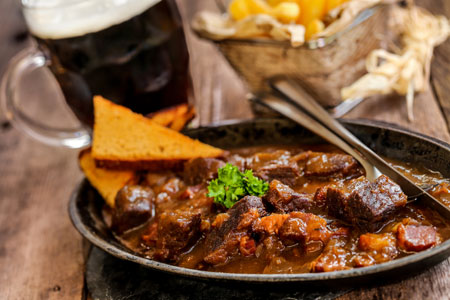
[[85, 204]]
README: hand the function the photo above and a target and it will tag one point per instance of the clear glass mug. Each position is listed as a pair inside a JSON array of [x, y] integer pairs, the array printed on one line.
[[132, 52]]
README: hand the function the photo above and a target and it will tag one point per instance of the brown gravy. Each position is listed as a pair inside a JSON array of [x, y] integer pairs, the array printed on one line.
[[335, 243]]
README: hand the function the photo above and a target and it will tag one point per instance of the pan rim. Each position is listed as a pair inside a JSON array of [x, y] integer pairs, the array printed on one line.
[[129, 255]]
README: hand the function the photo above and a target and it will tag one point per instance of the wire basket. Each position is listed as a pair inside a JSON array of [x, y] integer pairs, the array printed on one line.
[[324, 66]]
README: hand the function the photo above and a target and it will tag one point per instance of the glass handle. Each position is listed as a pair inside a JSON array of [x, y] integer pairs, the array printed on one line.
[[22, 64]]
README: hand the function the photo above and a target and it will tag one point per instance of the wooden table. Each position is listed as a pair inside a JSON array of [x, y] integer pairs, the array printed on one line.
[[41, 254]]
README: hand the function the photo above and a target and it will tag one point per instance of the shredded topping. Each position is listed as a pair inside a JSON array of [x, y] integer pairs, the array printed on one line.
[[407, 70]]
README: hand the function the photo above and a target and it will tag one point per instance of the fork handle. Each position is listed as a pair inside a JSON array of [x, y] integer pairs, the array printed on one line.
[[296, 95], [289, 110]]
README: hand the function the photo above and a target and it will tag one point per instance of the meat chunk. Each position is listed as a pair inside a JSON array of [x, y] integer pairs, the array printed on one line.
[[262, 159], [377, 248], [333, 258], [442, 192], [376, 242], [133, 207], [191, 191], [238, 161], [320, 197], [363, 260], [269, 247], [365, 204], [200, 169], [342, 231], [284, 199], [247, 246], [304, 228], [332, 164], [150, 236], [223, 241], [286, 173], [220, 218], [442, 189], [171, 186], [176, 231], [417, 238], [301, 157], [270, 224], [274, 165], [293, 228]]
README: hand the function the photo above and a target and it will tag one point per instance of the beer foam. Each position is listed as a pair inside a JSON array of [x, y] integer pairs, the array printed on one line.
[[57, 19]]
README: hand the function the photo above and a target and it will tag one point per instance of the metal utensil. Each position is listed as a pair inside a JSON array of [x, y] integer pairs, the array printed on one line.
[[342, 109], [86, 205], [296, 98], [257, 59], [337, 111], [292, 112]]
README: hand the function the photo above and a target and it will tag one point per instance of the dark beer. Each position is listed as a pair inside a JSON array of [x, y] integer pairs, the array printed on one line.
[[141, 62]]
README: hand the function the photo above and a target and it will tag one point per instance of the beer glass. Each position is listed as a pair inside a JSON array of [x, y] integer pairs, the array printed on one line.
[[132, 52]]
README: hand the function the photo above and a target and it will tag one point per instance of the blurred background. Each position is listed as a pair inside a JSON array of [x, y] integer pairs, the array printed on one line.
[[33, 175]]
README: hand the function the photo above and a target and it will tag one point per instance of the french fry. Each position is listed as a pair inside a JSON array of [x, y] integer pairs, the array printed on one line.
[[258, 7], [313, 28], [175, 117], [182, 119], [311, 10], [286, 12], [239, 9]]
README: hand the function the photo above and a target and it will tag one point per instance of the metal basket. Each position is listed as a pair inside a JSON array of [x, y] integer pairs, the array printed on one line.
[[324, 65]]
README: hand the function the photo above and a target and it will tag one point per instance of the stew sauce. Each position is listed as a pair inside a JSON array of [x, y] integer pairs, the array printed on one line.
[[320, 214]]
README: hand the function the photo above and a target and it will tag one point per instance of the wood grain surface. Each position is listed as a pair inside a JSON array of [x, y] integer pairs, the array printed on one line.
[[41, 254], [440, 70]]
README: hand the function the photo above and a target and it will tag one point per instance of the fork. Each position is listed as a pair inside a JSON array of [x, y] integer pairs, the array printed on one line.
[[299, 106]]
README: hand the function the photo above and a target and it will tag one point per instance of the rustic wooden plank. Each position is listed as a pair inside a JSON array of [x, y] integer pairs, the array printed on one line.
[[432, 284], [40, 251], [441, 79], [429, 119], [440, 70], [42, 255]]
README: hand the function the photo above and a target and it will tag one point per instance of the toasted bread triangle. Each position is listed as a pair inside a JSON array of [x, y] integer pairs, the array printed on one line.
[[106, 182], [124, 139]]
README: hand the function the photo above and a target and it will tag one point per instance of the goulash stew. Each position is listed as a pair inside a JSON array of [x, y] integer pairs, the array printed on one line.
[[276, 209]]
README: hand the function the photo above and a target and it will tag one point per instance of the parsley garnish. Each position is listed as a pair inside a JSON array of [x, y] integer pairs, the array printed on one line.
[[231, 185]]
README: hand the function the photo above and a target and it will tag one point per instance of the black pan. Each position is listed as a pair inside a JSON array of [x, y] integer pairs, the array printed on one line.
[[393, 142]]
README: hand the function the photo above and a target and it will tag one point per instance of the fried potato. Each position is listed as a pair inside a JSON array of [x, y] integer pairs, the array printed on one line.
[[313, 28], [311, 10], [258, 7], [239, 9], [286, 12], [175, 117]]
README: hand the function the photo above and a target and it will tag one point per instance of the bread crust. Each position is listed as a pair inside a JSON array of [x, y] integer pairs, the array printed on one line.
[[150, 165], [106, 182], [123, 139]]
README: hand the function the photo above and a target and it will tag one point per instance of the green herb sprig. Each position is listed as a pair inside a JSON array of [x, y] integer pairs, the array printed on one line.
[[231, 185]]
